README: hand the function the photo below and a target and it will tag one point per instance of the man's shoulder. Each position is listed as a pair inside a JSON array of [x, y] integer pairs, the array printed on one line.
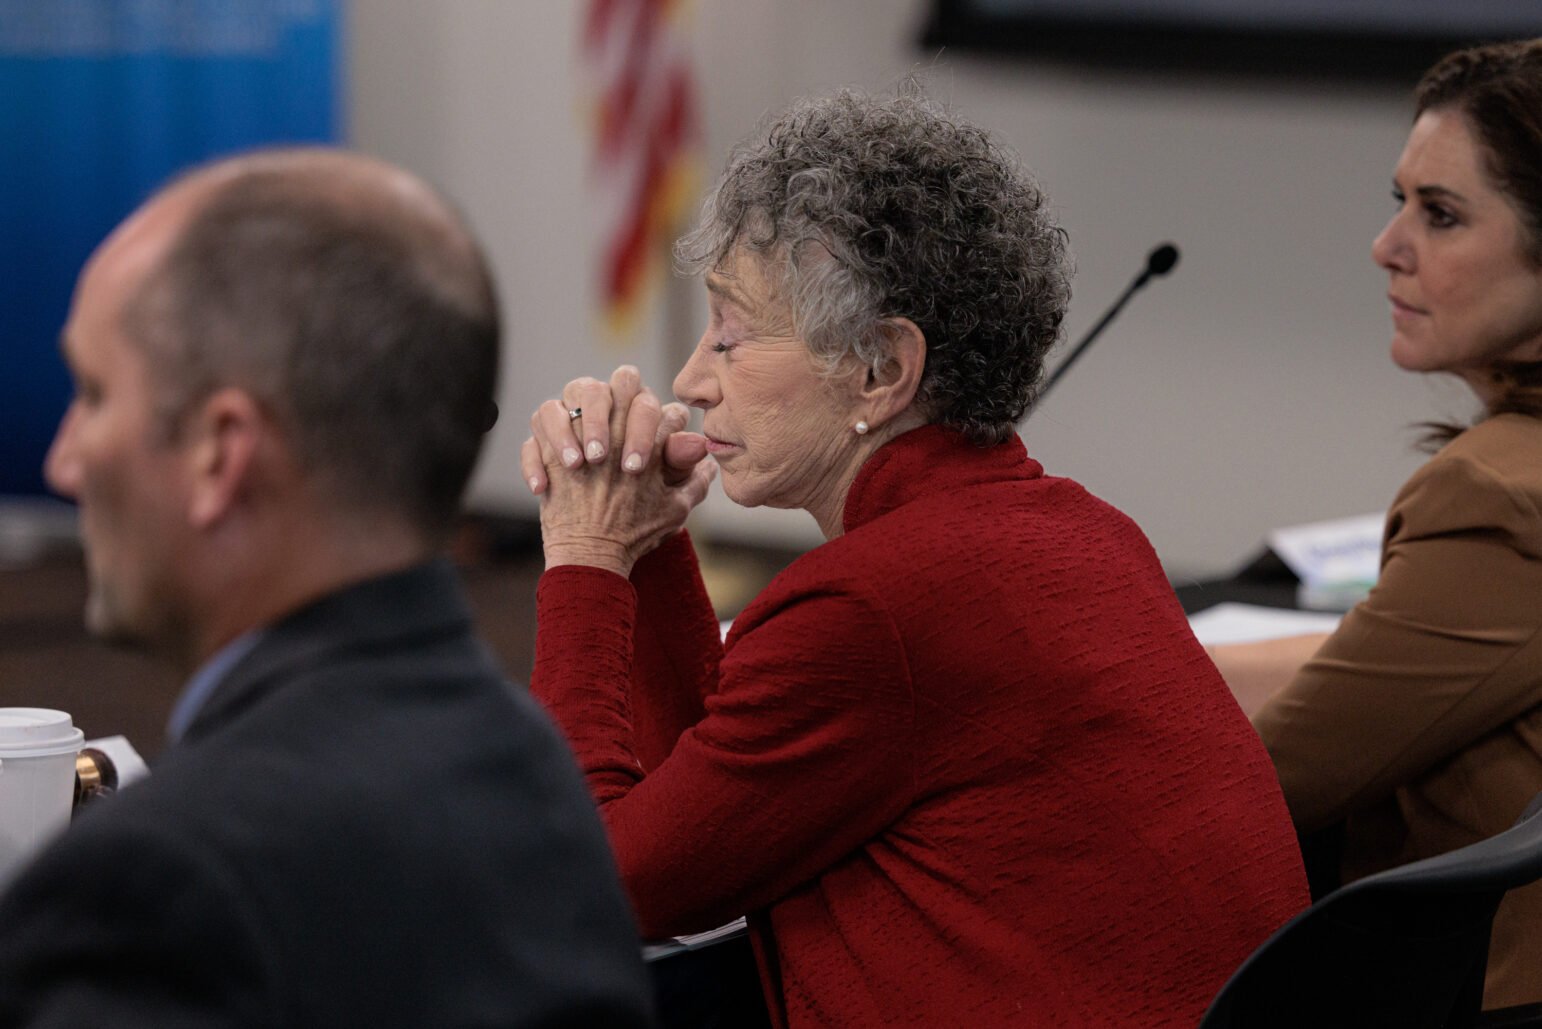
[[356, 820], [362, 679], [393, 751], [371, 734]]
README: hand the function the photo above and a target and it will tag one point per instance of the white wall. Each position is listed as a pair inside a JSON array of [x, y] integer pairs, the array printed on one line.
[[1250, 389]]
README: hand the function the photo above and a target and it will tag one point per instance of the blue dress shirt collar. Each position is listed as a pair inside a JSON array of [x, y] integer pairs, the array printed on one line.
[[204, 681]]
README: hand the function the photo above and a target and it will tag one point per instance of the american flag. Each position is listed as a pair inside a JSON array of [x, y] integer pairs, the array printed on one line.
[[645, 123]]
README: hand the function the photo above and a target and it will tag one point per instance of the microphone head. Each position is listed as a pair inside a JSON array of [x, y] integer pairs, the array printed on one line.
[[1161, 260]]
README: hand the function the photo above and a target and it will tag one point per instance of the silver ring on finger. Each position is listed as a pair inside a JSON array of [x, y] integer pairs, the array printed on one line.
[[575, 414]]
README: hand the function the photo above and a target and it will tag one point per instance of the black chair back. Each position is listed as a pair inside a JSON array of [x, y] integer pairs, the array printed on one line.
[[1405, 948]]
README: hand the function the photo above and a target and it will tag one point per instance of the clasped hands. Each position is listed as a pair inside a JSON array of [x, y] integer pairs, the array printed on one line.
[[616, 478]]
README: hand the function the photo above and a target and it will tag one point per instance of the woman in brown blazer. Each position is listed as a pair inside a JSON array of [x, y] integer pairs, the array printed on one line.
[[1418, 723]]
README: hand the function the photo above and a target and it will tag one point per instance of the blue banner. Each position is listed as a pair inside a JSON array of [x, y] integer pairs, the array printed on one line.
[[101, 101]]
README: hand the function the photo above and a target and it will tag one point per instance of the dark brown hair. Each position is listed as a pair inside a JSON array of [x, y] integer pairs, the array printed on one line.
[[1497, 89]]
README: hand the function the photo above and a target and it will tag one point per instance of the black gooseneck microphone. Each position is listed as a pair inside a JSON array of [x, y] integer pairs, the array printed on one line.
[[1158, 263]]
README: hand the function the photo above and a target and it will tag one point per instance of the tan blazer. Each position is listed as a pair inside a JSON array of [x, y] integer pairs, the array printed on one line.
[[1419, 721]]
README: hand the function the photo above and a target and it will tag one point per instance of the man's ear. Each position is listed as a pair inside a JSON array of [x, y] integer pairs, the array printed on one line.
[[223, 438], [889, 391]]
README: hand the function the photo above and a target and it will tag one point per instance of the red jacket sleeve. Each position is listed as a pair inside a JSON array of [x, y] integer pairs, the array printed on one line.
[[804, 749], [677, 648]]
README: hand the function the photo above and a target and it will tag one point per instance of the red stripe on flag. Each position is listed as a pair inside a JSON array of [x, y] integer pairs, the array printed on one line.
[[645, 122], [629, 251]]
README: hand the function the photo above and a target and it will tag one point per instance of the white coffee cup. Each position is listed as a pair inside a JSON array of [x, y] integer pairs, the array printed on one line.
[[37, 780]]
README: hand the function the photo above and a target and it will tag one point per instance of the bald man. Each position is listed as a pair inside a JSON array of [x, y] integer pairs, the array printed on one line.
[[284, 367]]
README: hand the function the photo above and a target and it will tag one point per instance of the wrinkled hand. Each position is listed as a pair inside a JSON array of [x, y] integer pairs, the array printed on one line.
[[590, 436], [617, 480]]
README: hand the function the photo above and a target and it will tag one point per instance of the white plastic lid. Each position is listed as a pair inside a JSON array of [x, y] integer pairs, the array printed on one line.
[[37, 732]]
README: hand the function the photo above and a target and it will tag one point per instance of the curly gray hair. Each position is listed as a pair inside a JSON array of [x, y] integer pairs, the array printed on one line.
[[865, 209]]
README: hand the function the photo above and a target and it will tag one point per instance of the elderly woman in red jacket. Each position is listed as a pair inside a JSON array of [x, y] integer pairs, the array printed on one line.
[[963, 764]]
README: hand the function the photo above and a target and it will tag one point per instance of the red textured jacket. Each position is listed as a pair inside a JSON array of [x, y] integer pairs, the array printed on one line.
[[964, 765]]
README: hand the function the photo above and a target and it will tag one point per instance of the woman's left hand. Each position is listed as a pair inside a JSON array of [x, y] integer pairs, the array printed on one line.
[[633, 484]]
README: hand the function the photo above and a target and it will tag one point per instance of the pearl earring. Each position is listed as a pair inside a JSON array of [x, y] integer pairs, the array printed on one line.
[[861, 428]]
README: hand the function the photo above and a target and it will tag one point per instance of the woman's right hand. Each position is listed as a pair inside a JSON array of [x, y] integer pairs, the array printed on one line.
[[616, 479], [624, 400]]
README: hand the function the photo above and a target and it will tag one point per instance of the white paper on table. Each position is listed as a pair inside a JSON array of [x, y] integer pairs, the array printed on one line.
[[1249, 623]]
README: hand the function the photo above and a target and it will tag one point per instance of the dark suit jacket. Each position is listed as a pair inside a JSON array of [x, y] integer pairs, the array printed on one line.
[[364, 825]]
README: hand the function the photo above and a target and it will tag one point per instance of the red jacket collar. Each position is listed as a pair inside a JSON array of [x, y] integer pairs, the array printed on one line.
[[928, 461]]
